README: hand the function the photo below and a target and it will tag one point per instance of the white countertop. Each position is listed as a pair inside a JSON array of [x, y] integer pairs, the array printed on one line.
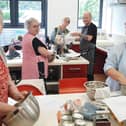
[[104, 45], [102, 42], [17, 62], [102, 49], [50, 104]]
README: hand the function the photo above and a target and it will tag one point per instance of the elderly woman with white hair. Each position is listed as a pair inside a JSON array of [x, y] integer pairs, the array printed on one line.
[[61, 29], [7, 87], [35, 53]]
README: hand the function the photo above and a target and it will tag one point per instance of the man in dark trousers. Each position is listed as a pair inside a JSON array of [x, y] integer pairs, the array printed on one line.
[[88, 37]]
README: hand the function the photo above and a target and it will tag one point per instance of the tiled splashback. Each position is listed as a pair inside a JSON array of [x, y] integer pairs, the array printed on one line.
[[8, 35]]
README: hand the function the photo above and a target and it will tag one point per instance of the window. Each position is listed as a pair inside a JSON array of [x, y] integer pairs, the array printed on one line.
[[5, 7], [93, 6], [17, 11], [26, 10]]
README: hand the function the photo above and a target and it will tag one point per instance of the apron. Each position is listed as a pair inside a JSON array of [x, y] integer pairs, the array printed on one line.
[[3, 83], [30, 60]]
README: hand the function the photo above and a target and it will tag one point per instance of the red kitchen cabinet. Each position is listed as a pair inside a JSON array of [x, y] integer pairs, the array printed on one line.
[[70, 71], [99, 61]]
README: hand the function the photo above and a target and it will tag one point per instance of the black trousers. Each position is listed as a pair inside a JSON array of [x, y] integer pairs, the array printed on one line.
[[41, 67], [89, 54]]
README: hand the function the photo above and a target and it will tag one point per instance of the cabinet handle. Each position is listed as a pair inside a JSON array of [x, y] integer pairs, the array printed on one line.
[[74, 69]]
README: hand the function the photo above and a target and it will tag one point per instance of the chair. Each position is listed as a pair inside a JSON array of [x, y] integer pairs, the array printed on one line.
[[72, 85], [26, 87]]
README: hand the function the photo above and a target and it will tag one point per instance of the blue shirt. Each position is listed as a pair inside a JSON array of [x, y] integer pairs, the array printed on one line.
[[116, 59]]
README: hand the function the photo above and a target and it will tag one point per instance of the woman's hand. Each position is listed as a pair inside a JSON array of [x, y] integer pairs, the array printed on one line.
[[6, 108], [20, 95], [117, 75], [13, 91], [51, 57]]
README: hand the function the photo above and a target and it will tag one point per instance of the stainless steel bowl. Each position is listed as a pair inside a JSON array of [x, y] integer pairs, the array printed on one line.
[[27, 112], [91, 87]]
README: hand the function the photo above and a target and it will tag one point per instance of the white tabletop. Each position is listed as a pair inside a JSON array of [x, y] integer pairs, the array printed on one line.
[[50, 104], [17, 62]]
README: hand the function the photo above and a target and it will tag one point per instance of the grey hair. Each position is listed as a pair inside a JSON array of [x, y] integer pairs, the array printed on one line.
[[1, 17], [66, 19], [89, 13], [29, 21]]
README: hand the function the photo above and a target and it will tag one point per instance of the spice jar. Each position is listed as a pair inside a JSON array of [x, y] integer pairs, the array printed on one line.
[[76, 116], [80, 122], [68, 123]]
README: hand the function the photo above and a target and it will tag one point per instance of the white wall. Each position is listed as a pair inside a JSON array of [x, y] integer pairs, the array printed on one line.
[[119, 18], [57, 9], [114, 19], [113, 16]]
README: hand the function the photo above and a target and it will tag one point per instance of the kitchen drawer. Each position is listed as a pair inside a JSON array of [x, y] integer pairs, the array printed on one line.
[[74, 71]]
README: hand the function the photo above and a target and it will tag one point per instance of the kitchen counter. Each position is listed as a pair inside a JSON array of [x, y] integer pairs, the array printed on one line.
[[17, 62], [102, 42], [60, 68], [103, 45], [50, 104], [102, 48]]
